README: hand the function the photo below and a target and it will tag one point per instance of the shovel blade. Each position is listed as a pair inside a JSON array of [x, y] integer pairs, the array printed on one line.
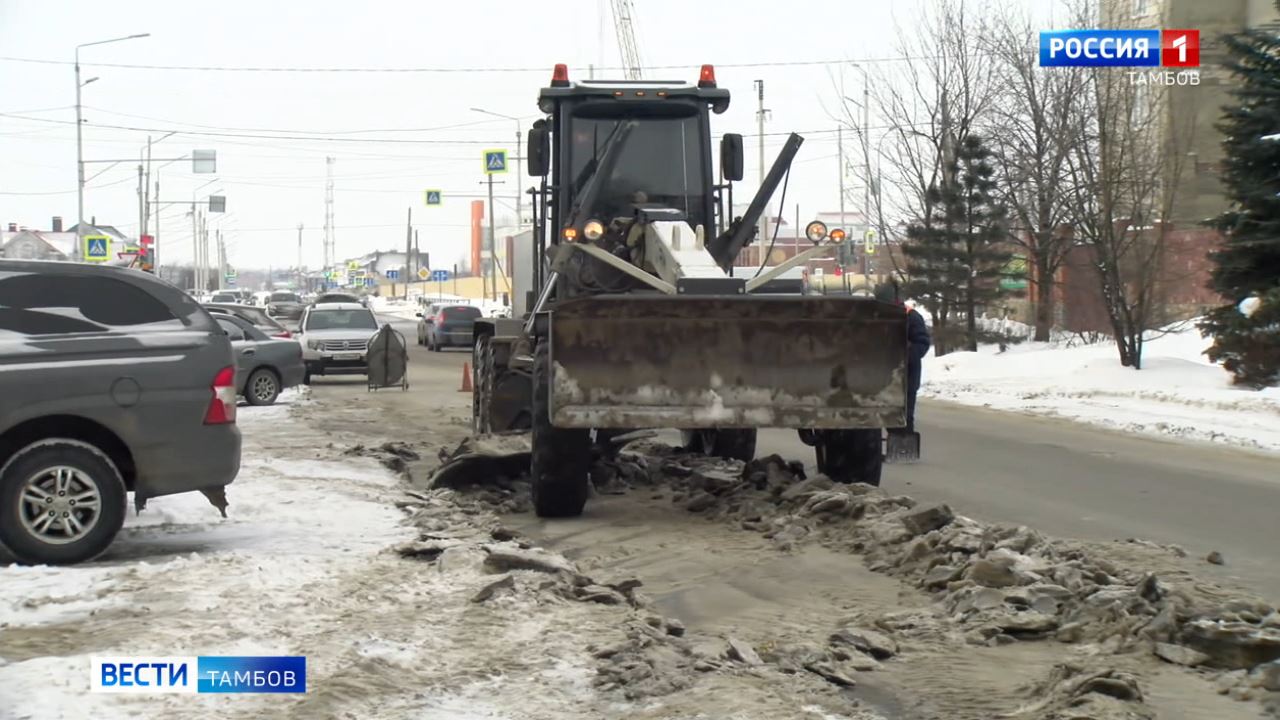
[[646, 361], [902, 447]]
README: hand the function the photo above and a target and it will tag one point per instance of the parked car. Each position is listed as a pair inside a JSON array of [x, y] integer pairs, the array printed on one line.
[[226, 298], [257, 316], [113, 382], [285, 304], [264, 365], [444, 326], [335, 338], [327, 298]]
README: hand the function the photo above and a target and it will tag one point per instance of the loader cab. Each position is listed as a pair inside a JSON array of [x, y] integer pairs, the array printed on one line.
[[642, 144]]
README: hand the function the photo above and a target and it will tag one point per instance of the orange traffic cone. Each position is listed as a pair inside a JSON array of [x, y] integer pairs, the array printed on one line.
[[466, 378]]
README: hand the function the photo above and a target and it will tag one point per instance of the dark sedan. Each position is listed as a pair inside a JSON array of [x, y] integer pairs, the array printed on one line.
[[285, 304], [264, 365]]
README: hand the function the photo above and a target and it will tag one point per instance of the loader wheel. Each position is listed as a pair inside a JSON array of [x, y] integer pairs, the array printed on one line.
[[482, 385], [731, 443], [850, 456], [561, 456]]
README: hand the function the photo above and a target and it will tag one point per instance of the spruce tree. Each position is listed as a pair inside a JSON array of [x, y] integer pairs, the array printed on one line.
[[1245, 331], [955, 254]]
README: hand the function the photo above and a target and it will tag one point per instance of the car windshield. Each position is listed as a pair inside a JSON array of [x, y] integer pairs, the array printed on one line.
[[284, 297], [224, 298], [341, 320], [658, 162]]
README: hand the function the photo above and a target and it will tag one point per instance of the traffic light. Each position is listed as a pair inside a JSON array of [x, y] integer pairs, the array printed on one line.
[[146, 253], [844, 254]]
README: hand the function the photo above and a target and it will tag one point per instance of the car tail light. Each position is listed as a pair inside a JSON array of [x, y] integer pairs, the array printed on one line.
[[284, 334], [222, 406], [440, 318]]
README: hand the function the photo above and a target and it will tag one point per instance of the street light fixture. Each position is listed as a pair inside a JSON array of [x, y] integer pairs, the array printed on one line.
[[80, 142]]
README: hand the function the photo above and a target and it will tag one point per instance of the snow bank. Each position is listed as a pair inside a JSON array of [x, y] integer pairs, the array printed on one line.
[[1178, 392], [181, 580]]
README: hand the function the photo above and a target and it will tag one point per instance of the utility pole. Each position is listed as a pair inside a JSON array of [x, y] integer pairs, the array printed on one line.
[[408, 249], [155, 240], [300, 281], [866, 185], [329, 246], [78, 253], [493, 256], [146, 184], [141, 203], [760, 115], [222, 261], [840, 152], [195, 247]]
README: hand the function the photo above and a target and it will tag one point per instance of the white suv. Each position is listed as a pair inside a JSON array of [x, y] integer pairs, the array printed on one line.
[[335, 338]]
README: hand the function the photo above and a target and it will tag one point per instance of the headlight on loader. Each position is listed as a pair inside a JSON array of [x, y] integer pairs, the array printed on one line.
[[816, 231], [593, 230]]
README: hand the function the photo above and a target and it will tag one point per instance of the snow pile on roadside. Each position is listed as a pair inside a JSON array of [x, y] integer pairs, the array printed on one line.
[[1178, 392], [181, 580]]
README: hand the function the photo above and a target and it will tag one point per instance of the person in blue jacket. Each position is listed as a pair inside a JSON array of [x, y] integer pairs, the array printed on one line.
[[918, 343]]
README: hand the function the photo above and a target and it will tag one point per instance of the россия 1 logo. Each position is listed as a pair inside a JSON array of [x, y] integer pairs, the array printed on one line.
[[1173, 49]]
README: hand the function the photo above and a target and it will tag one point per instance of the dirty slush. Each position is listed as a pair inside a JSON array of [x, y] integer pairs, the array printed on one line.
[[929, 614]]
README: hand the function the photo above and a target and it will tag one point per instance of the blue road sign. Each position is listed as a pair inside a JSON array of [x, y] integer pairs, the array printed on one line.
[[392, 274], [97, 248], [439, 275], [495, 161], [433, 197]]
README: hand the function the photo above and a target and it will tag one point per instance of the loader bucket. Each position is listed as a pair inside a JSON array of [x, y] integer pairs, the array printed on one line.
[[728, 361]]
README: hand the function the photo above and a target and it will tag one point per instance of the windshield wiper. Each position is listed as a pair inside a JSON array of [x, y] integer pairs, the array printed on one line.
[[588, 181]]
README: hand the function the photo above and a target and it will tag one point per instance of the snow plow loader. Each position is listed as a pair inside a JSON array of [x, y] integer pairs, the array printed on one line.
[[636, 317]]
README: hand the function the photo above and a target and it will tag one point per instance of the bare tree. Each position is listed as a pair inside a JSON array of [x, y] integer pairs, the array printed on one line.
[[927, 104], [1125, 170], [1034, 132]]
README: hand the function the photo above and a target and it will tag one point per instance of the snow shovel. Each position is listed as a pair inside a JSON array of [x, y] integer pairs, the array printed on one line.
[[902, 446]]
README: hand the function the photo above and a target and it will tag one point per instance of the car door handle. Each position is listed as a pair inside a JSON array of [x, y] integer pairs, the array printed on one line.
[[248, 351]]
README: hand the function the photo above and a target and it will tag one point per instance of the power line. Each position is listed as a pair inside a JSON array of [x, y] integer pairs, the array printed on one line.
[[314, 132], [445, 70], [407, 141], [69, 192]]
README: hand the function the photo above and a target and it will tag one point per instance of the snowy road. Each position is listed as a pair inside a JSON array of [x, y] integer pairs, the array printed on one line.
[[307, 565]]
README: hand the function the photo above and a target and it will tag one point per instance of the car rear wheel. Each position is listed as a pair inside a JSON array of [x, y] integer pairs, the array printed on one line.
[[61, 501], [262, 388]]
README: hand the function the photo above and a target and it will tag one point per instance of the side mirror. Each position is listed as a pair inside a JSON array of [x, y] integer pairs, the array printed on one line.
[[538, 153], [417, 314], [731, 157]]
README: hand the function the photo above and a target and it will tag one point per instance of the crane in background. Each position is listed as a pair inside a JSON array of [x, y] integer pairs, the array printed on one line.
[[623, 12]]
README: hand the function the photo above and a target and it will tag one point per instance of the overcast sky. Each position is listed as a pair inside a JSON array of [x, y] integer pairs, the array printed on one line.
[[274, 183]]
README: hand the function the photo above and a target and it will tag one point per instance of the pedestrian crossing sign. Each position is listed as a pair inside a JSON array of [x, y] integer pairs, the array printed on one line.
[[97, 248], [495, 161]]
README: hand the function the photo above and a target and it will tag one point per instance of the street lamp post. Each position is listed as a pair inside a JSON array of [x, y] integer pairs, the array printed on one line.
[[80, 142], [519, 138]]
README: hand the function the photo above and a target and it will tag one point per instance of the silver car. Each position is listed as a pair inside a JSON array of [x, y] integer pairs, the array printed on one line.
[[335, 338], [264, 365]]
